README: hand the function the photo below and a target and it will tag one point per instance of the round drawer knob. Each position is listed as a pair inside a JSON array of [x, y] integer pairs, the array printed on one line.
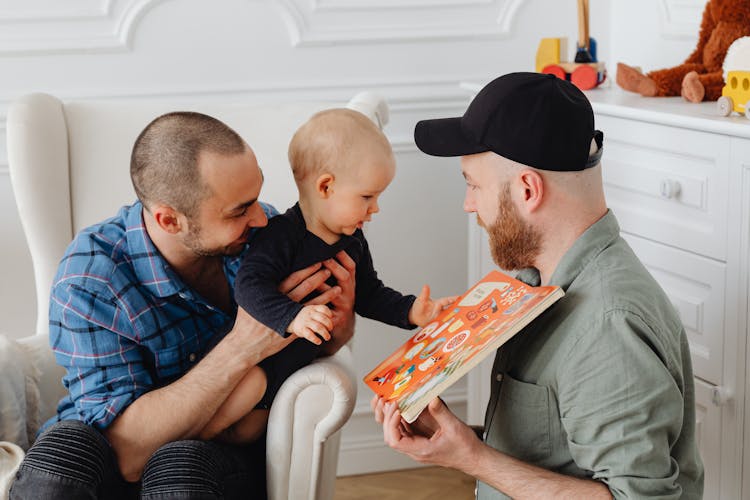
[[720, 396], [669, 188]]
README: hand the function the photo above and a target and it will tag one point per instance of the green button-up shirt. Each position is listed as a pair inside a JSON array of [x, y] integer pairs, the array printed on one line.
[[600, 386]]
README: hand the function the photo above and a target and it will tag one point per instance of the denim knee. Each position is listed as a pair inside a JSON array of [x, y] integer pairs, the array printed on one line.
[[194, 470], [69, 460], [189, 469]]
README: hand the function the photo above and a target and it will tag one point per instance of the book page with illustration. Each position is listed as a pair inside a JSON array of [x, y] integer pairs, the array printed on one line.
[[475, 325]]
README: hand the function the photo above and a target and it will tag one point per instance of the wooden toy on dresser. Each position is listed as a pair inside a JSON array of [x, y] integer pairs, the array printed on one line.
[[585, 72]]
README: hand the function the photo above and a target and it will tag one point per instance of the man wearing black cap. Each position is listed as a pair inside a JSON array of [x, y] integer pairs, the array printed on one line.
[[594, 398]]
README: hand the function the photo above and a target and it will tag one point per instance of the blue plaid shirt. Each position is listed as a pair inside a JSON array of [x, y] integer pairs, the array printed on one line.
[[122, 322]]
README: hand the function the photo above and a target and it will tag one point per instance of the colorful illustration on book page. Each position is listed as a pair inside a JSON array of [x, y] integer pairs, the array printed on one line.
[[483, 314]]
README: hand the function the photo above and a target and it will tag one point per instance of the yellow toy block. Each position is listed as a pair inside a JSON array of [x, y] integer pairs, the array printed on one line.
[[549, 52]]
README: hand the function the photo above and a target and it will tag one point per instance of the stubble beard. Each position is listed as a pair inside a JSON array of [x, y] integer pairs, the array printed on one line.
[[514, 244], [193, 242]]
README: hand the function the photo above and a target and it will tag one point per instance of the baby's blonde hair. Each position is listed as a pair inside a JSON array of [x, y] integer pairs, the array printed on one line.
[[331, 141]]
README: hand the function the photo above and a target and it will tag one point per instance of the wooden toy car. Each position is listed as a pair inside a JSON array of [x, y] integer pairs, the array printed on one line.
[[585, 72], [735, 94]]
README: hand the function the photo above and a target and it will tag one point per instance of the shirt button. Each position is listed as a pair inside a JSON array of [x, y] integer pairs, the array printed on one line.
[[192, 357], [499, 377]]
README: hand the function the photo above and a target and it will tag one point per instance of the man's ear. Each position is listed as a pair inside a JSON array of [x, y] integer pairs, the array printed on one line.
[[167, 218], [324, 185], [532, 184]]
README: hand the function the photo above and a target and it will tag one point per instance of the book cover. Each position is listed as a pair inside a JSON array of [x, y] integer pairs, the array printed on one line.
[[474, 326]]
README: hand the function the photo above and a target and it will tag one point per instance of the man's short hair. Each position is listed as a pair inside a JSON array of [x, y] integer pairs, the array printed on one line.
[[164, 162], [330, 140]]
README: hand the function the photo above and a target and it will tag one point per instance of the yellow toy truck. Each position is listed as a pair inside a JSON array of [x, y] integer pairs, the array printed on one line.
[[735, 94]]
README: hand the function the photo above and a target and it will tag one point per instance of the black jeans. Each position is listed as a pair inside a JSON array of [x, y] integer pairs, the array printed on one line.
[[74, 461]]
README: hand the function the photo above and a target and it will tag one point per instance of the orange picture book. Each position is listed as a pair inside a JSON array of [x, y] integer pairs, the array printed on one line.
[[474, 326]]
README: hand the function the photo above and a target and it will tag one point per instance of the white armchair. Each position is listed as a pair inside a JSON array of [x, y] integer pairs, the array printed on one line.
[[69, 167]]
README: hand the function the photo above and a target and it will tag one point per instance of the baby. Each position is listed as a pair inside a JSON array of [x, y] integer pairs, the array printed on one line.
[[341, 162]]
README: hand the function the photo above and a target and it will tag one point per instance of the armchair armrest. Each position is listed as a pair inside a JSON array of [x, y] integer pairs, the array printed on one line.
[[303, 429]]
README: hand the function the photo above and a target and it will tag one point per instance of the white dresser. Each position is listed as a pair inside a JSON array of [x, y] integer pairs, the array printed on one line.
[[677, 176]]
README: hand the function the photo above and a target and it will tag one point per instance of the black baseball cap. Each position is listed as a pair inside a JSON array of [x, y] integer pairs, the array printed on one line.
[[535, 119]]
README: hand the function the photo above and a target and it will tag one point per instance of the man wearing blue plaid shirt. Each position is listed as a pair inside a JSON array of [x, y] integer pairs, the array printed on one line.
[[136, 305]]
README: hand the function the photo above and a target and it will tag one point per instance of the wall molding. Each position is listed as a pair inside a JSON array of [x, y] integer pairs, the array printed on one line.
[[318, 22], [359, 5], [439, 95], [109, 25], [406, 95], [105, 26], [681, 19], [240, 88], [403, 94], [57, 11]]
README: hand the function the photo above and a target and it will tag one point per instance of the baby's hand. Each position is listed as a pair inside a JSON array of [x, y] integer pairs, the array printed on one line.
[[425, 309], [312, 321]]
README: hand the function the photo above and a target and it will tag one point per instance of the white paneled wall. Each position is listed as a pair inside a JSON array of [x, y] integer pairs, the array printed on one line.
[[414, 52], [653, 34]]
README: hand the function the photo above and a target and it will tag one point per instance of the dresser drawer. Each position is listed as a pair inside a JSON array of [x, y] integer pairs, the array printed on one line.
[[667, 184], [696, 287]]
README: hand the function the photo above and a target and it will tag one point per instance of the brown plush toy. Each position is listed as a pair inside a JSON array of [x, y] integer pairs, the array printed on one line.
[[700, 78]]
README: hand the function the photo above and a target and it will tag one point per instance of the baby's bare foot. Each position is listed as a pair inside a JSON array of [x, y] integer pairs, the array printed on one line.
[[692, 88]]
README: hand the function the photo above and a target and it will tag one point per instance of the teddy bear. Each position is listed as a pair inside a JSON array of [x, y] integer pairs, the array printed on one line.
[[700, 77]]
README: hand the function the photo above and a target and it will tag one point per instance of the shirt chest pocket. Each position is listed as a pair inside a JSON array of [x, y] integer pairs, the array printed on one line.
[[520, 424], [171, 362]]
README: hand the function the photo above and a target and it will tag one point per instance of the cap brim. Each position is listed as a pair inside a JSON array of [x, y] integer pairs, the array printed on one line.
[[445, 137]]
